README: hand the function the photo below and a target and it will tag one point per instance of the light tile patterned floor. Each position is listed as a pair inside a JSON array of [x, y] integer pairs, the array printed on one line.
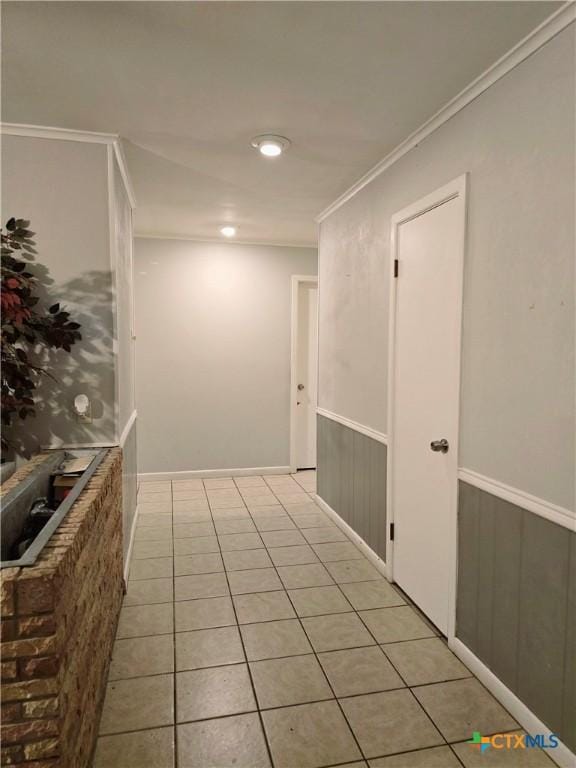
[[255, 634]]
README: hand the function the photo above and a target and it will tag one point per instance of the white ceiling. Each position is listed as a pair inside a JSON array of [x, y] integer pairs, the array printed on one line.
[[188, 84]]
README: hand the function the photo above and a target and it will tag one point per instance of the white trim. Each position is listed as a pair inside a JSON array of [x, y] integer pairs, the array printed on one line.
[[366, 550], [295, 286], [457, 188], [539, 36], [194, 473], [220, 241], [130, 545], [561, 755], [356, 426], [128, 427], [540, 507]]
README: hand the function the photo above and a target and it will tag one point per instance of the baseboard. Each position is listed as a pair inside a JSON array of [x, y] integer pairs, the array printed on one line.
[[194, 473], [130, 545], [561, 755], [366, 550]]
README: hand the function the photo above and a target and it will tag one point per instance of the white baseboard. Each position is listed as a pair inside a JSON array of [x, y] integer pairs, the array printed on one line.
[[130, 545], [366, 550], [194, 473], [561, 755]]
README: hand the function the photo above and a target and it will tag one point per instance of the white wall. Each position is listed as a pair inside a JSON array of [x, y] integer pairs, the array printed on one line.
[[517, 143], [213, 353], [62, 188]]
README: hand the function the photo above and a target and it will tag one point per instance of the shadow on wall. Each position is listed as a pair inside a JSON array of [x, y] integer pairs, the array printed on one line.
[[87, 369]]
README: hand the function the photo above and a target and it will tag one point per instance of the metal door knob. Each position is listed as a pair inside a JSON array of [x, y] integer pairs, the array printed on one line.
[[300, 387], [440, 445]]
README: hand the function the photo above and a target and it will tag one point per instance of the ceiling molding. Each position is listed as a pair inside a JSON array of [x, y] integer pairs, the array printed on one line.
[[221, 241], [68, 134], [549, 28]]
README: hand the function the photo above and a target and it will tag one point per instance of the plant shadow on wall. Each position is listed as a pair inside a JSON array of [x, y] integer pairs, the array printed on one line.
[[46, 361]]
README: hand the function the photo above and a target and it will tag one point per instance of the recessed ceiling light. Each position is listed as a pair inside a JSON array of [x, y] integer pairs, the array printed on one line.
[[228, 231], [270, 145]]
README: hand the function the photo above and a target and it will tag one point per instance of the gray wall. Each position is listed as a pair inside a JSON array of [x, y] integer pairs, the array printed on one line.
[[516, 605], [517, 142], [62, 188], [213, 353], [351, 478]]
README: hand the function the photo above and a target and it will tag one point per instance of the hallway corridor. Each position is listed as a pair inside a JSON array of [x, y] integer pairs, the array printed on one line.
[[255, 634]]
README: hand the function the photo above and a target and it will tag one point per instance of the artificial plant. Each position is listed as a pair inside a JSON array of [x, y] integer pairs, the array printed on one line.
[[28, 328]]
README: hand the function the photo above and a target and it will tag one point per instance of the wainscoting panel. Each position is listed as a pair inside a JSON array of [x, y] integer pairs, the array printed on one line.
[[351, 477], [516, 603]]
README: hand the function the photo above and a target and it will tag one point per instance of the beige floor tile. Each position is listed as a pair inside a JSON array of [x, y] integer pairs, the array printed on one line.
[[224, 493], [471, 756], [346, 571], [214, 692], [141, 656], [190, 505], [390, 625], [309, 735], [298, 555], [270, 510], [229, 741], [142, 702], [233, 541], [323, 535], [332, 551], [231, 503], [296, 576], [152, 568], [254, 481], [239, 525], [316, 520], [372, 594], [246, 559], [279, 523], [274, 639], [262, 500], [283, 538], [191, 518], [307, 508], [337, 631], [288, 484], [256, 580], [148, 591], [462, 706], [231, 513], [263, 606], [289, 499], [146, 550], [425, 661], [296, 680], [154, 507], [194, 530], [188, 494], [200, 585], [359, 670], [152, 520], [141, 620], [190, 565], [208, 648], [194, 484], [316, 601], [218, 482], [205, 544], [204, 614], [386, 723], [143, 749], [256, 492], [153, 486], [435, 757], [360, 764]]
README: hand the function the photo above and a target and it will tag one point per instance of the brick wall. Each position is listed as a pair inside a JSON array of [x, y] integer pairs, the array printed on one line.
[[58, 624]]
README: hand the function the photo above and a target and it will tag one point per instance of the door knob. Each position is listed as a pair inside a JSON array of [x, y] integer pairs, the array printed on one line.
[[440, 445], [300, 387]]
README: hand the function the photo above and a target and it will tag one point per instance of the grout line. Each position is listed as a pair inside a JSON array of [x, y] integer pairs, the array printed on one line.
[[174, 694]]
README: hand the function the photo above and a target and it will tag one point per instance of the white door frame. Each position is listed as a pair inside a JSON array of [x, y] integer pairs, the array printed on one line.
[[455, 189], [297, 280]]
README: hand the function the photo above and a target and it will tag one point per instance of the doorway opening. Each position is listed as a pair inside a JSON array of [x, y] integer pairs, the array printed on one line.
[[303, 372]]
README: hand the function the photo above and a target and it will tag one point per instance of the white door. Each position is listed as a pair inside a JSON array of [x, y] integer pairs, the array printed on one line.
[[428, 243], [306, 376]]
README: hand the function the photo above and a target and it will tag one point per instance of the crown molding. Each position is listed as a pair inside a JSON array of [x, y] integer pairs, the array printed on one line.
[[69, 134], [539, 36], [222, 241]]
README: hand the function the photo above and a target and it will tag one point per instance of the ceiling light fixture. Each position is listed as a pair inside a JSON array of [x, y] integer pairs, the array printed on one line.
[[228, 231], [270, 145]]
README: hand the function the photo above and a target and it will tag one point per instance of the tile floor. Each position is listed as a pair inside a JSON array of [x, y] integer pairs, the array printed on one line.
[[255, 634]]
